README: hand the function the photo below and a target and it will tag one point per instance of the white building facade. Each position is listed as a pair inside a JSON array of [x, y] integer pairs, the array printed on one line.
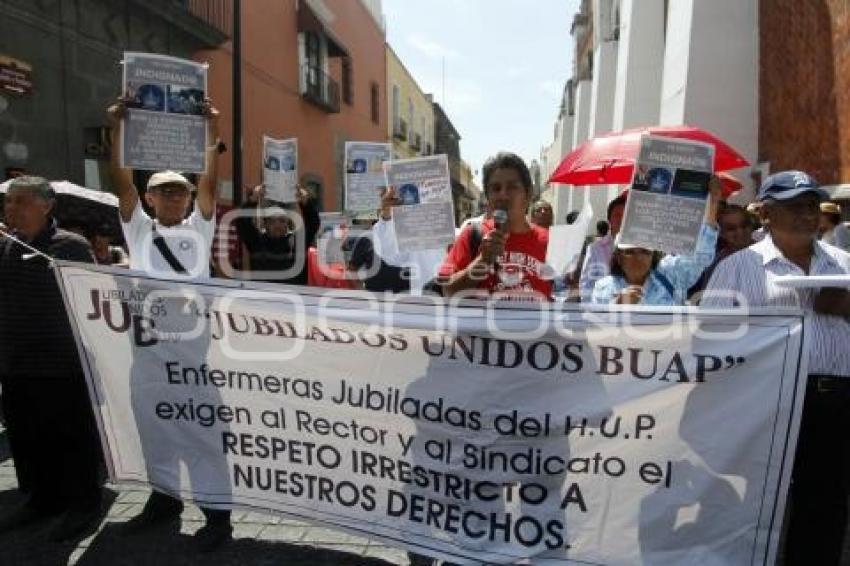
[[649, 62]]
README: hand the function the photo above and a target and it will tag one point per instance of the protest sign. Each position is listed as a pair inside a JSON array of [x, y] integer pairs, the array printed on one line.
[[566, 242], [425, 218], [333, 230], [364, 175], [560, 436], [164, 127], [669, 195], [280, 169]]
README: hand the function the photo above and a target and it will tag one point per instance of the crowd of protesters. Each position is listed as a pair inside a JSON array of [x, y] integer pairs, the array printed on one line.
[[792, 229]]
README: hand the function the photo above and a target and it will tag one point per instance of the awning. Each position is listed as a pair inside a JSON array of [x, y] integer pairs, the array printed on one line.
[[310, 20]]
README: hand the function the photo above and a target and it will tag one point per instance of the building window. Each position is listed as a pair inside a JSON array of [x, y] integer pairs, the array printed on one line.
[[410, 124], [375, 95], [396, 106], [347, 85], [313, 52]]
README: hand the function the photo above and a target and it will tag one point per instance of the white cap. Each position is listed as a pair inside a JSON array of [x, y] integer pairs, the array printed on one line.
[[270, 211], [169, 178], [621, 246]]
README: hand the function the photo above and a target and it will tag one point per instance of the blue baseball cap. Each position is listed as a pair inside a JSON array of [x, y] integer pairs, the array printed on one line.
[[789, 184]]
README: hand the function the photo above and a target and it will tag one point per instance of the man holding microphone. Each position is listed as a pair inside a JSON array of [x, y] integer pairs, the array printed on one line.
[[509, 261]]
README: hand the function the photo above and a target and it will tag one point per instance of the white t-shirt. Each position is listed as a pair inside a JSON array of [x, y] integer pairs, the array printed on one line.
[[190, 242]]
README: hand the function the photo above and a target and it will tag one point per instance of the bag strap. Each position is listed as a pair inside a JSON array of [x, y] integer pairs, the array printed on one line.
[[433, 285], [475, 237], [166, 252], [665, 282]]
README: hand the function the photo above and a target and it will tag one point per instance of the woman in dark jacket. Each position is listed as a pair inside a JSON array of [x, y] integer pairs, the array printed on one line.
[[278, 252]]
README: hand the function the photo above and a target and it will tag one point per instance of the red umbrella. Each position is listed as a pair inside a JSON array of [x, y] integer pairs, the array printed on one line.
[[610, 159], [730, 184]]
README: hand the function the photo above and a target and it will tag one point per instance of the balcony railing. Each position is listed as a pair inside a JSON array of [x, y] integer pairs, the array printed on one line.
[[319, 88], [400, 129], [217, 13]]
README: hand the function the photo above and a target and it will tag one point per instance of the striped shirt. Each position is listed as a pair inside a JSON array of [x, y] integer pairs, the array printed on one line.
[[751, 276]]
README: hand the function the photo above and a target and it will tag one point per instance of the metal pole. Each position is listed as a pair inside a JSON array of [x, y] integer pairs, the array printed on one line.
[[237, 103]]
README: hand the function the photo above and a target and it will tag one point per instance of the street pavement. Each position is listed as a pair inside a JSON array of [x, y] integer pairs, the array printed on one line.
[[259, 539]]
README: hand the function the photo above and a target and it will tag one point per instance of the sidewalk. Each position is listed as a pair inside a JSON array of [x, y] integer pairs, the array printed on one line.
[[259, 539]]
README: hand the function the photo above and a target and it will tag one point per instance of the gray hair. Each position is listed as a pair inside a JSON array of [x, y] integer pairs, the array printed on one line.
[[37, 185]]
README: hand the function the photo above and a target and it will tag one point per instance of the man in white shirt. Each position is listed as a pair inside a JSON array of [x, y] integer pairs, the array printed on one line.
[[819, 490], [188, 241], [170, 244], [155, 243]]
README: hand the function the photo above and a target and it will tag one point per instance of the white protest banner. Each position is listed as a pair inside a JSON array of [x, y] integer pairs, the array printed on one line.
[[425, 219], [364, 175], [164, 127], [280, 169], [669, 195], [622, 436]]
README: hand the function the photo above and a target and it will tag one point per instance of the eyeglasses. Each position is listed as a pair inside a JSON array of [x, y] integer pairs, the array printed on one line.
[[170, 192]]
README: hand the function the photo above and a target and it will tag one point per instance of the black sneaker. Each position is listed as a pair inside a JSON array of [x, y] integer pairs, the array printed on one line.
[[160, 511], [212, 536]]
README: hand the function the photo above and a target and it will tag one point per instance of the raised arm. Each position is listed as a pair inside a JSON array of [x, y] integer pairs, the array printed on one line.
[[245, 227], [128, 196], [208, 182], [310, 215]]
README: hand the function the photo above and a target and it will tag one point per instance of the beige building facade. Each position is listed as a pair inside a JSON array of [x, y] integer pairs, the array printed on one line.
[[410, 126]]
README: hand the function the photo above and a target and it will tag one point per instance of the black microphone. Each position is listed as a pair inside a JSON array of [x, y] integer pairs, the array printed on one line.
[[500, 221]]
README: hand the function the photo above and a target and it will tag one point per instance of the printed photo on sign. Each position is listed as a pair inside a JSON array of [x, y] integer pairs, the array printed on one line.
[[164, 127], [182, 100]]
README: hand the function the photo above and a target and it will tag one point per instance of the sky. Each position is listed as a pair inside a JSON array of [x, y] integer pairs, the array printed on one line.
[[506, 63]]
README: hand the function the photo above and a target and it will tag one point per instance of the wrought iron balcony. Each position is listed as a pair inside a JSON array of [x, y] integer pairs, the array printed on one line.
[[216, 13], [319, 88]]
